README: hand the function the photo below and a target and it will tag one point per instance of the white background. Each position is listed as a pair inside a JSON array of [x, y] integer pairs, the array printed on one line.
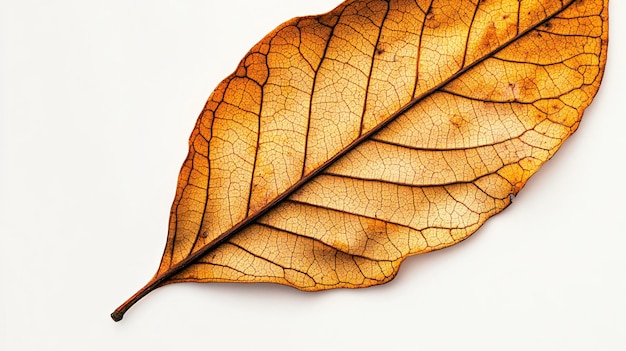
[[97, 100]]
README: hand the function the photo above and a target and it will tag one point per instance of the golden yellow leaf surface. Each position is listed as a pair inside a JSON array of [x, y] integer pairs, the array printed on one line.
[[345, 142]]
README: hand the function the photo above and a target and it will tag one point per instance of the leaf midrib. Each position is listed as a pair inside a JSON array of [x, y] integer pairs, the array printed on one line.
[[305, 179]]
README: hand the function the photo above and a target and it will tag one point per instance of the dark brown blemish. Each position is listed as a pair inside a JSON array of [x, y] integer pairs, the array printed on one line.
[[490, 39], [457, 121]]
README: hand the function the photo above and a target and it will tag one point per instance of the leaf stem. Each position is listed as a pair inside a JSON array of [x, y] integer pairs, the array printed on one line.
[[119, 312]]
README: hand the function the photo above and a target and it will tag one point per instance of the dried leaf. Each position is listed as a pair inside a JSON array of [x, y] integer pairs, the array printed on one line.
[[345, 142]]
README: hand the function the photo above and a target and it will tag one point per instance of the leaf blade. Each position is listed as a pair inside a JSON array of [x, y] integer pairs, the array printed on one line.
[[460, 79]]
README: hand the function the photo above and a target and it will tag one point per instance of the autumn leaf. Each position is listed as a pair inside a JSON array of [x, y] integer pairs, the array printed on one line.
[[344, 143]]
